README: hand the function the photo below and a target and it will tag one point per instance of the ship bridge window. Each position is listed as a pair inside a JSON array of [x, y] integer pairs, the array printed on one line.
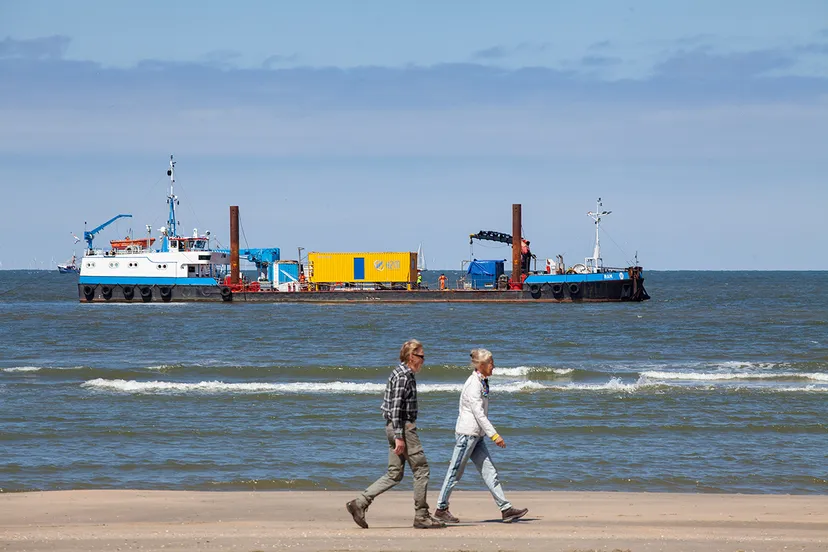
[[204, 257]]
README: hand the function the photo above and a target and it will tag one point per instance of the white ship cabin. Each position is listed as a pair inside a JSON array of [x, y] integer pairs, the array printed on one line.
[[201, 243]]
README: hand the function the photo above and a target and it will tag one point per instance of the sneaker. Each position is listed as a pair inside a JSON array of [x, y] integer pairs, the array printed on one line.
[[513, 514], [357, 513], [428, 522], [444, 515]]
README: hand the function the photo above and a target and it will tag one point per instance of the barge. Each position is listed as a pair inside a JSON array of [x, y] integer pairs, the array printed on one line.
[[187, 269]]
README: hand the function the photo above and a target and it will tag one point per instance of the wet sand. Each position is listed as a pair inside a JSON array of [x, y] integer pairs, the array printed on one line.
[[317, 521]]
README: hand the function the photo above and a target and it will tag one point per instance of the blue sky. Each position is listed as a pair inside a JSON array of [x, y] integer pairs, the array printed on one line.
[[380, 125]]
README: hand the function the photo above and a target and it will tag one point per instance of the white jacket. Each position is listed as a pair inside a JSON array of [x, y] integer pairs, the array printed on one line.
[[474, 409]]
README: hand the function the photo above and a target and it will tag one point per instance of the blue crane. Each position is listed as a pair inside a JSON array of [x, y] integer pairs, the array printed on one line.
[[263, 258], [90, 235]]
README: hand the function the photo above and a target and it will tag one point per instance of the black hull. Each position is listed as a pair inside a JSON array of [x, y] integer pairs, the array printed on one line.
[[584, 292]]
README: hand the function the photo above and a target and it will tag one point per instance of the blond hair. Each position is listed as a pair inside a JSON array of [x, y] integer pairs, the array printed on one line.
[[479, 357], [408, 349]]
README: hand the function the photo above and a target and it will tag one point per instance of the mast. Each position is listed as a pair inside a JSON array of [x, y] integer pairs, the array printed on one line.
[[172, 200], [595, 262]]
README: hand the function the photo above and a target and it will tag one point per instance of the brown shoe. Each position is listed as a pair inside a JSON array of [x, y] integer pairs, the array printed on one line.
[[428, 522], [357, 513], [445, 515], [513, 514]]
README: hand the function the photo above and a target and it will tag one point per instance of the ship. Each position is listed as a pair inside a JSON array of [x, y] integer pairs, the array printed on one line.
[[189, 269], [69, 267]]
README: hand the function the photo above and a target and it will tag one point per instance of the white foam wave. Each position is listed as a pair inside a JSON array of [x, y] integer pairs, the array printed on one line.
[[342, 387], [526, 370], [738, 364], [132, 386], [22, 369], [38, 368], [708, 376], [614, 384], [807, 389]]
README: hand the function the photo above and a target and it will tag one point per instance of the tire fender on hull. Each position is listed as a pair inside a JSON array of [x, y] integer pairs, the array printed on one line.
[[89, 292], [166, 293], [146, 294]]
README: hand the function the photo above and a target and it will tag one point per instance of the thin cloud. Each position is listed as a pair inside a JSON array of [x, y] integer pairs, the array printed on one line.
[[275, 60], [600, 61], [601, 45], [47, 47], [696, 41], [501, 52], [703, 65], [495, 52], [692, 77], [221, 58]]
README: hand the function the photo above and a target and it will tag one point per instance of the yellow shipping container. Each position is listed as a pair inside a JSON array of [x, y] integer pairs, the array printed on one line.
[[328, 268]]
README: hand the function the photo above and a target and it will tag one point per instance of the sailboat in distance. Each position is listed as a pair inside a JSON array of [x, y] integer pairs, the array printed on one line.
[[421, 261]]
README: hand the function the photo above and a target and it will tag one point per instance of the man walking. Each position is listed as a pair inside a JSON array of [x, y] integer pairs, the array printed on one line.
[[399, 407]]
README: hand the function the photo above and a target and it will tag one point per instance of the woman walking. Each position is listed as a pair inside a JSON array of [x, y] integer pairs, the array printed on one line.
[[472, 429]]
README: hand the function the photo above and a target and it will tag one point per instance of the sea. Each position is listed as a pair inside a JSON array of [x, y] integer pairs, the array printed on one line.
[[718, 384]]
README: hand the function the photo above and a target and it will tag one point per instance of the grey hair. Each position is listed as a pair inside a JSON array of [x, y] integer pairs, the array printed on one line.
[[408, 348], [480, 357]]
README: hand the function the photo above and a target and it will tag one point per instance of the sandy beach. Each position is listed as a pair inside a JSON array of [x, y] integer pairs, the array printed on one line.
[[253, 521]]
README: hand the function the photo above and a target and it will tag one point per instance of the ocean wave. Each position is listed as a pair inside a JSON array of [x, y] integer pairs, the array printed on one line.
[[42, 368], [708, 376], [526, 370], [614, 384], [22, 369], [335, 387], [133, 386]]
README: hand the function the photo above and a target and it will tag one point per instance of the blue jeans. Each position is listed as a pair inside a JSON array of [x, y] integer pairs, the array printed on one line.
[[474, 447]]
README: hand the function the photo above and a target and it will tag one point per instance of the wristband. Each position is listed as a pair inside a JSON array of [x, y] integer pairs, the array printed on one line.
[[495, 437]]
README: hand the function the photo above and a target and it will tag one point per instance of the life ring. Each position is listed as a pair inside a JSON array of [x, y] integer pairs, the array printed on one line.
[[129, 292], [89, 292], [106, 291], [166, 293], [146, 294], [536, 291], [574, 289], [557, 290], [226, 294]]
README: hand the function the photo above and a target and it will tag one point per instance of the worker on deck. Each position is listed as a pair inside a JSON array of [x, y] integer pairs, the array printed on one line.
[[443, 281], [525, 255], [419, 279]]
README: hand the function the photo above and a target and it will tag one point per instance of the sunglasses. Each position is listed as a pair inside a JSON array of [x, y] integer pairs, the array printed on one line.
[[419, 355]]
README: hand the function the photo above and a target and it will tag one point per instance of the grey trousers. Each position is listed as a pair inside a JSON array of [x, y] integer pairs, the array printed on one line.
[[415, 456]]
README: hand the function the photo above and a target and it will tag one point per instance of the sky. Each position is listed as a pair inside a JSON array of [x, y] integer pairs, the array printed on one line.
[[384, 125]]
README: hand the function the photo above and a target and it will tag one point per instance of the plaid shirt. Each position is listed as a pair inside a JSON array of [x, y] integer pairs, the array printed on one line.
[[399, 405]]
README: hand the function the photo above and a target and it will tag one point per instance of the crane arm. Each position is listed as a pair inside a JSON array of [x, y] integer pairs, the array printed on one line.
[[90, 235], [491, 236]]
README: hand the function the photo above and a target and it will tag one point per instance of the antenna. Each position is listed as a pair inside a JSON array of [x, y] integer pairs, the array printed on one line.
[[595, 262]]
